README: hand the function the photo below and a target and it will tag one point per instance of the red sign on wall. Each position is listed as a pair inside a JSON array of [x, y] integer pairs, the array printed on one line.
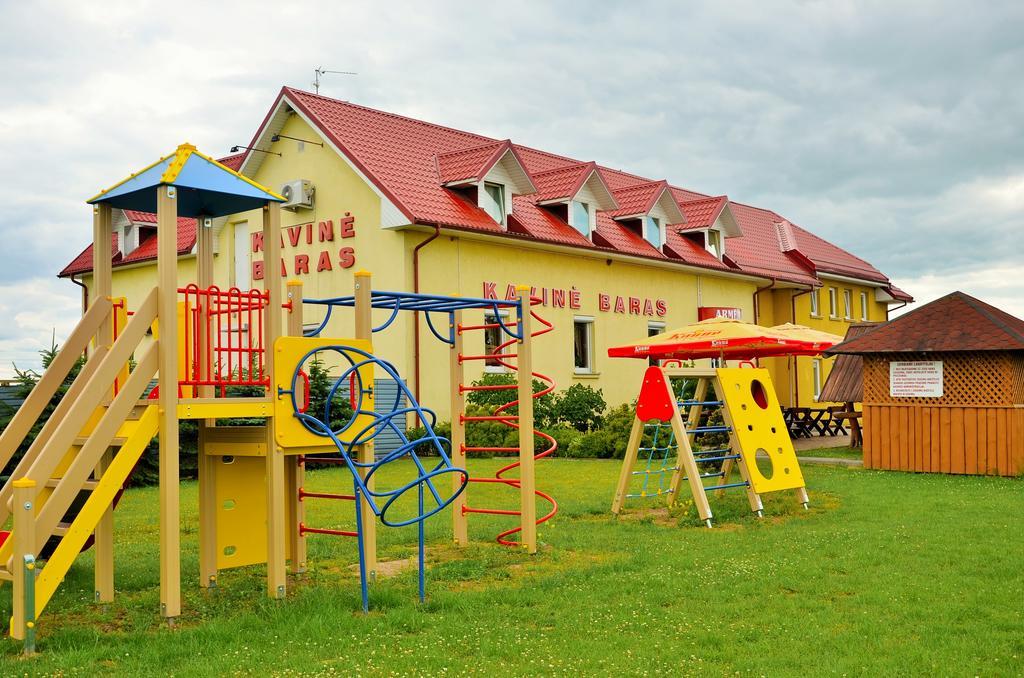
[[706, 312]]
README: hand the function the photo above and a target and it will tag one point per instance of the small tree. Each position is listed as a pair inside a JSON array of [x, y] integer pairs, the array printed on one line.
[[581, 407]]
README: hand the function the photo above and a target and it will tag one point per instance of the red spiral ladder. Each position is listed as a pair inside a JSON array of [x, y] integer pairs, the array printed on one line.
[[511, 420]]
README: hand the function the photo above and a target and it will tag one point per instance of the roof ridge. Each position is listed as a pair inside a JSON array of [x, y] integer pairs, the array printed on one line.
[[986, 310], [389, 114]]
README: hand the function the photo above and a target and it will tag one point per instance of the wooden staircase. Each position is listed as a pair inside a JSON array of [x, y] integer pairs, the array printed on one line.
[[87, 449]]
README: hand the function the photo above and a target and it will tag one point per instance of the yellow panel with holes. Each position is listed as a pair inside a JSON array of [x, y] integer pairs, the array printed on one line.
[[242, 510], [291, 353], [755, 413]]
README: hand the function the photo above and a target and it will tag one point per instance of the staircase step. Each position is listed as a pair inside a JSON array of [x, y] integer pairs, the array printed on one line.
[[116, 442], [61, 529], [87, 485]]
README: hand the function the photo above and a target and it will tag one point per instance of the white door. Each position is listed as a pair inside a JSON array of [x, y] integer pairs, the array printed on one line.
[[242, 268]]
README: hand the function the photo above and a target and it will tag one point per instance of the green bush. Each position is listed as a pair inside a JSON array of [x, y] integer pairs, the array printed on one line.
[[543, 407], [581, 407]]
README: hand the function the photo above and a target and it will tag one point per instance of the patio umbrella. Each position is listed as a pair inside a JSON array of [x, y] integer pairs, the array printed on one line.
[[714, 338], [818, 340]]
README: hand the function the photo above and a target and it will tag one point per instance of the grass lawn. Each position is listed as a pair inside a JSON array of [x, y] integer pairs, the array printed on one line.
[[833, 453], [888, 574]]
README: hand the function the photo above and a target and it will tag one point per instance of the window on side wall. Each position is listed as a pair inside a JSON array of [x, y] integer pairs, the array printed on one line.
[[581, 217], [864, 306], [816, 373], [847, 304], [833, 303], [492, 200], [815, 302], [654, 329], [493, 338], [583, 345], [652, 231]]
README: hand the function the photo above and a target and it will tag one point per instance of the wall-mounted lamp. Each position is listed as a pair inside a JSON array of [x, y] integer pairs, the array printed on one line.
[[278, 137], [235, 149]]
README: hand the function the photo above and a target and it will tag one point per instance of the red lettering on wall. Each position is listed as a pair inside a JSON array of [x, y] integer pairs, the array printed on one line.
[[326, 230], [257, 242], [324, 262], [510, 293], [346, 257], [346, 226], [490, 290], [558, 298], [301, 264], [294, 233], [634, 306], [620, 305], [309, 233], [648, 307], [257, 270], [574, 298], [661, 307], [604, 302]]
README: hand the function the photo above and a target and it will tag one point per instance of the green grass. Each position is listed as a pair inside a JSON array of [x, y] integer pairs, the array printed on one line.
[[833, 453], [888, 574]]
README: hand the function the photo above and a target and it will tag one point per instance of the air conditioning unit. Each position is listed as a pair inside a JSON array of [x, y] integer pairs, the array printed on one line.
[[297, 195]]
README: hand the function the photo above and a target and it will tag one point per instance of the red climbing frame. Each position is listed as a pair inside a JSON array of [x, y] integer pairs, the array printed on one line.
[[502, 415]]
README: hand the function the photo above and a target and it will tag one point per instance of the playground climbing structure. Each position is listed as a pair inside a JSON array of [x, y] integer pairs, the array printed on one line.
[[667, 443]]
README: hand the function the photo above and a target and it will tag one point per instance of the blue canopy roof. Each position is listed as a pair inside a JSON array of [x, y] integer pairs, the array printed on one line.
[[205, 187]]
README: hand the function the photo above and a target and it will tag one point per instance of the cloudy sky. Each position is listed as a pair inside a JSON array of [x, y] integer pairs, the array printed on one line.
[[892, 129]]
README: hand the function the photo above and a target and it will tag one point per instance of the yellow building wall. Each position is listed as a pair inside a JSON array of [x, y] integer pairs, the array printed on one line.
[[800, 391]]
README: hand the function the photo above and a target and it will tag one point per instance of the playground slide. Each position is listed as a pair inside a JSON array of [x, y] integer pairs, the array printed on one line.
[[135, 434]]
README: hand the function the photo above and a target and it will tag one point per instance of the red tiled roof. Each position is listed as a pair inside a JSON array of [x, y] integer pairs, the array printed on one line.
[[470, 163], [562, 183], [639, 198], [897, 293], [409, 160], [144, 252], [845, 382], [955, 322], [702, 213]]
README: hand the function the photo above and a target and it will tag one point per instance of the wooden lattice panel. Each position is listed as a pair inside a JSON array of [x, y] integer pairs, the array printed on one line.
[[980, 378]]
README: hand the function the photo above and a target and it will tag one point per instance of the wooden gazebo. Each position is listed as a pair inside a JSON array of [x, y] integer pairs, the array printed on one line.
[[943, 389]]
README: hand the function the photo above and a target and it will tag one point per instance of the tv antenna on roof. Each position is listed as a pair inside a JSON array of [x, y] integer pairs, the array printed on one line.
[[320, 70]]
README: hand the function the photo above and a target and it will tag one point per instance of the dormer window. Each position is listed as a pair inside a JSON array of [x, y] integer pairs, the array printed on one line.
[[713, 243], [579, 217], [652, 232], [492, 200]]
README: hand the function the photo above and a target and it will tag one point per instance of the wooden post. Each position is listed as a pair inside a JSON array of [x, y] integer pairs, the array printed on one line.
[[636, 434], [276, 485], [524, 371], [167, 305], [460, 525], [364, 330], [207, 464], [23, 535], [102, 288], [294, 468]]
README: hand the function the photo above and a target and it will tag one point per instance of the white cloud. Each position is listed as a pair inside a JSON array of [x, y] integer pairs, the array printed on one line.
[[1000, 287], [36, 312]]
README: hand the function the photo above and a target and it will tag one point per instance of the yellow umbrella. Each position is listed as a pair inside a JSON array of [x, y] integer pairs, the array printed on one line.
[[715, 338], [818, 340]]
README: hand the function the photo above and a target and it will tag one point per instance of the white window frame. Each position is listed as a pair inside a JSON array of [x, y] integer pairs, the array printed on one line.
[[655, 325], [833, 303], [816, 377], [661, 231], [847, 304], [488, 317], [484, 200], [815, 302], [587, 320], [585, 228], [717, 251], [864, 306]]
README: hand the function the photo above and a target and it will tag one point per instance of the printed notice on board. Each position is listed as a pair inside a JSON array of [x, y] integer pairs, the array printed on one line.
[[915, 379]]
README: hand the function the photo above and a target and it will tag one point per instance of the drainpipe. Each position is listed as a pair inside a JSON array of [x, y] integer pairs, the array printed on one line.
[[85, 293], [889, 310], [416, 315], [796, 373], [757, 303]]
